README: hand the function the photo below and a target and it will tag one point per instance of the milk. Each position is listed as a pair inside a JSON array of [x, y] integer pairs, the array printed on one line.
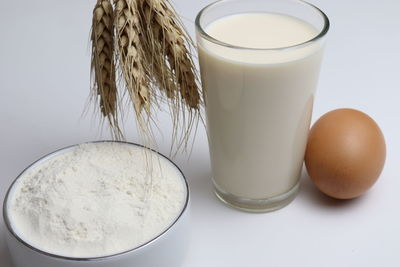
[[258, 102]]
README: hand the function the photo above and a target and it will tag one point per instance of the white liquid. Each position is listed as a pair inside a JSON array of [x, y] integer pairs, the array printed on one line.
[[258, 102]]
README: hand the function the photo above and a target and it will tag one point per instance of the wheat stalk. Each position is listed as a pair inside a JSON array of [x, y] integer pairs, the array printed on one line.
[[103, 68]]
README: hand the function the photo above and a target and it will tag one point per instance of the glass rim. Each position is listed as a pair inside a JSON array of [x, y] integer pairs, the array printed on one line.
[[208, 37], [26, 244]]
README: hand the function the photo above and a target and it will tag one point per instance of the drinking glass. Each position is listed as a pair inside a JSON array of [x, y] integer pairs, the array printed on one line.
[[258, 104]]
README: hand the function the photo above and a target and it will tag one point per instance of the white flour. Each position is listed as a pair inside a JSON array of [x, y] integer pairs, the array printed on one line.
[[92, 201]]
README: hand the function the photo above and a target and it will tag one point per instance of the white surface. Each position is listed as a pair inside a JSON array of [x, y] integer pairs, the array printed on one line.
[[44, 79]]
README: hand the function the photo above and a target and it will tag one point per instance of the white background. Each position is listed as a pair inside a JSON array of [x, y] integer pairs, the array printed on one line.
[[44, 87]]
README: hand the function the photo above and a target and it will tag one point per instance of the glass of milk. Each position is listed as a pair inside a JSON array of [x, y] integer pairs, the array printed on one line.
[[259, 62]]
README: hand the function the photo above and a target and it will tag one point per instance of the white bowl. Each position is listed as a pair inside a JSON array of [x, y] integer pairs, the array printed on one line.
[[165, 250]]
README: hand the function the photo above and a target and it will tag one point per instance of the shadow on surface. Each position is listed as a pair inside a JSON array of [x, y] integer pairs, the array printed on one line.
[[311, 193], [5, 260], [198, 174]]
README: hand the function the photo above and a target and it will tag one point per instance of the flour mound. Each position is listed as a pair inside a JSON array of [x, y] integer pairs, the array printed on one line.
[[97, 199]]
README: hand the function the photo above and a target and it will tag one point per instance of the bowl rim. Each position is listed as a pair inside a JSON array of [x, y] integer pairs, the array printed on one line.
[[98, 258]]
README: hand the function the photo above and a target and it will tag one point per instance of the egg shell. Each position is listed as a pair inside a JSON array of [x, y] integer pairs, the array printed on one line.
[[345, 153]]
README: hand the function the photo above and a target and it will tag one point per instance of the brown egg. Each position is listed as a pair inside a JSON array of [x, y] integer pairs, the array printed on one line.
[[345, 153]]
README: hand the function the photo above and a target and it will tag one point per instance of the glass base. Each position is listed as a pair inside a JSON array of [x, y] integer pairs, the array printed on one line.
[[257, 205]]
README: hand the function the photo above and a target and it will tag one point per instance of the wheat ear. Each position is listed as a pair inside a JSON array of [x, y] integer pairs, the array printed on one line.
[[103, 68], [168, 46], [167, 30], [131, 55], [152, 59]]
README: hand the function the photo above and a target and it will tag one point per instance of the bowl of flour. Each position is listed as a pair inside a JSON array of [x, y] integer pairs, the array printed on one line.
[[100, 204]]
